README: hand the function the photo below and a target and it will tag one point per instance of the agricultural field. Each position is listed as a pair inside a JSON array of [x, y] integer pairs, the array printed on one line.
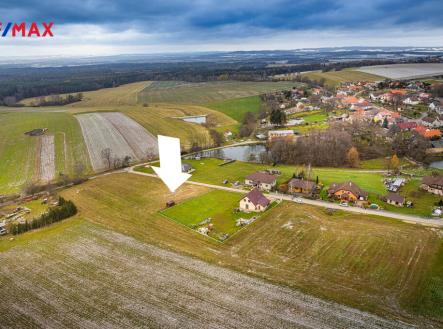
[[238, 107], [207, 92], [334, 78], [46, 159], [96, 272], [118, 96], [379, 265], [160, 119], [115, 131], [217, 205], [404, 71], [21, 157]]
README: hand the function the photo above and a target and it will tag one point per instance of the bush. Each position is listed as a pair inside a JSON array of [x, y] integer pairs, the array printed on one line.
[[63, 210]]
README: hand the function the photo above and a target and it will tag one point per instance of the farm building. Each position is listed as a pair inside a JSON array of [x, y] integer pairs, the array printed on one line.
[[347, 191], [395, 199], [297, 185], [261, 180], [432, 184], [254, 201], [274, 135]]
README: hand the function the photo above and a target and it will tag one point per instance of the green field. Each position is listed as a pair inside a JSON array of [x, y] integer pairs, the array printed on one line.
[[207, 92], [237, 108], [334, 78], [217, 205], [18, 152], [209, 171]]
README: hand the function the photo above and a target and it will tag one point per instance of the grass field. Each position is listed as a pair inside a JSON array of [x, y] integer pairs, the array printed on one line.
[[209, 171], [237, 108], [159, 119], [119, 96], [207, 92], [18, 157], [217, 205], [374, 264], [334, 78]]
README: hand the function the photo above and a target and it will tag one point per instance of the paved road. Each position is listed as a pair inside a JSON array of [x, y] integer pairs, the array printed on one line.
[[406, 218]]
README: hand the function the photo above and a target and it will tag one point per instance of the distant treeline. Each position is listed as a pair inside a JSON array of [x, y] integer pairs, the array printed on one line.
[[19, 83], [63, 210], [57, 100]]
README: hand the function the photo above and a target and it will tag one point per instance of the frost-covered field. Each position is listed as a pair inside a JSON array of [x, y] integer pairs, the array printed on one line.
[[93, 278], [46, 159], [404, 71], [139, 139], [122, 135]]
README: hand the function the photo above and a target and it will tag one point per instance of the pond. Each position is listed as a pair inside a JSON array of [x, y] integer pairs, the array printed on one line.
[[199, 119], [437, 164], [239, 153]]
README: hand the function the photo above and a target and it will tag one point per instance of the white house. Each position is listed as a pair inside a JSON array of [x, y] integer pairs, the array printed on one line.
[[254, 201]]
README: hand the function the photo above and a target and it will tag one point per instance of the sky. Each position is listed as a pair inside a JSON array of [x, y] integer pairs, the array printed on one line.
[[99, 27]]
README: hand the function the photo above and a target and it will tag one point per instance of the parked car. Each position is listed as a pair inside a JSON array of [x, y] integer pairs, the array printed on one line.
[[344, 204], [3, 231], [298, 200]]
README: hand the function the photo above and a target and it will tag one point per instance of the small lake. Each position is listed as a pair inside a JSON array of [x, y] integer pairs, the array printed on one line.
[[239, 153], [199, 119], [436, 164]]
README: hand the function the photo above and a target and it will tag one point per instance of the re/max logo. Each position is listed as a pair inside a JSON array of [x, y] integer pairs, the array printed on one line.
[[26, 30]]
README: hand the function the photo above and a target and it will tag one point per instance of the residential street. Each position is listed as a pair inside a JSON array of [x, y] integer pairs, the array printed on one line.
[[318, 203]]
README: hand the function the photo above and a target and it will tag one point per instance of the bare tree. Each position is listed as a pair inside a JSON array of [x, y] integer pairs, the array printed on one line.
[[107, 156]]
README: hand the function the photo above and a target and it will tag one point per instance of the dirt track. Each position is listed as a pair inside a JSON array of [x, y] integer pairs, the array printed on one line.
[[100, 279]]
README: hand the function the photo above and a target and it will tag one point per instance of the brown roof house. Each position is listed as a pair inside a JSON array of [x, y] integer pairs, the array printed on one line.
[[254, 201], [395, 199], [347, 191], [297, 185], [432, 184], [261, 180]]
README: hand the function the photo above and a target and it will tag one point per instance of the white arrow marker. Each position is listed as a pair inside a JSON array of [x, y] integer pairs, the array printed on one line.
[[170, 170]]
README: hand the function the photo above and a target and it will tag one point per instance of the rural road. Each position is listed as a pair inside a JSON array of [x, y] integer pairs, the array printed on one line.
[[405, 218]]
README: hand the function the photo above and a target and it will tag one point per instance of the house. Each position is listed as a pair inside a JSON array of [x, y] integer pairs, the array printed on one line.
[[428, 133], [261, 180], [274, 135], [432, 184], [254, 201], [409, 125], [187, 168], [297, 185], [411, 100], [395, 199], [348, 191], [431, 122]]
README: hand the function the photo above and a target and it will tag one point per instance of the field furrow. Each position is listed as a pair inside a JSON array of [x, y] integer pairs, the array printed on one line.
[[46, 159], [99, 135], [139, 139], [79, 282]]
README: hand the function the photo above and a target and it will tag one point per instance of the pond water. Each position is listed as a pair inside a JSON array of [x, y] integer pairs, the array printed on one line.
[[437, 164], [239, 153], [199, 119]]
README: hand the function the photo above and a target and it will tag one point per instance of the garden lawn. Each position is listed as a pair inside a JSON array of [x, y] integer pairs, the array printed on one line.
[[209, 171], [217, 205]]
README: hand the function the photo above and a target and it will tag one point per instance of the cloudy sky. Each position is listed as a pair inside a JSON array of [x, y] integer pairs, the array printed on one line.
[[100, 27]]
